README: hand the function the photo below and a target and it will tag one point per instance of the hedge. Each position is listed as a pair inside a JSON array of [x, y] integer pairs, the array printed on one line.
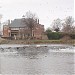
[[59, 35]]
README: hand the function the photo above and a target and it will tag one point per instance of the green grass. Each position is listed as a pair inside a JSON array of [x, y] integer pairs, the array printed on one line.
[[45, 41], [54, 41], [37, 42]]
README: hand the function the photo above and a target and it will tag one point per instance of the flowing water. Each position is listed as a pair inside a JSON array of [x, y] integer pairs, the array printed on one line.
[[49, 59]]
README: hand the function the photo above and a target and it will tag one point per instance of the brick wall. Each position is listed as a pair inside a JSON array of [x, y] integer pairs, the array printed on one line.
[[38, 31], [5, 31]]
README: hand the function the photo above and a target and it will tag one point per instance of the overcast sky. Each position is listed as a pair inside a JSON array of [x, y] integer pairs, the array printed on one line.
[[46, 10]]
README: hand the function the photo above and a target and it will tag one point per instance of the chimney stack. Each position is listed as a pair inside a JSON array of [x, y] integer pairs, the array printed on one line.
[[38, 21], [8, 22]]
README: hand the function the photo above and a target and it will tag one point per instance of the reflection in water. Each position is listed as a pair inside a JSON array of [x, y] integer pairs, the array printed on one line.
[[37, 60]]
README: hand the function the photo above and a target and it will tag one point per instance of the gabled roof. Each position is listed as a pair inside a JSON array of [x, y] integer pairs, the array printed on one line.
[[17, 23]]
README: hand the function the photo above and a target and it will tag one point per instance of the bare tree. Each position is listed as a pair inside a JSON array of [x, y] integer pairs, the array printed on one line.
[[68, 25], [30, 21], [0, 22], [56, 25]]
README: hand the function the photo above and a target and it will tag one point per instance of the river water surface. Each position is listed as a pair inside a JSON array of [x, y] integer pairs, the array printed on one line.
[[53, 59]]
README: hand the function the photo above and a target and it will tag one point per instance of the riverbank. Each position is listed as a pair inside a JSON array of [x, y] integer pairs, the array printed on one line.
[[4, 41]]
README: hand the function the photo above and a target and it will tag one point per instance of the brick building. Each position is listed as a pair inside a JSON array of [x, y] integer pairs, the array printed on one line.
[[16, 29], [5, 31]]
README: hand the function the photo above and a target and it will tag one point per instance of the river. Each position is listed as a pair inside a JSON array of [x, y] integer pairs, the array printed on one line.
[[49, 59]]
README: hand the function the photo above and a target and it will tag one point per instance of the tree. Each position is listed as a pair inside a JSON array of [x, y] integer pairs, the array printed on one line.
[[56, 25], [68, 25], [30, 21], [0, 24], [48, 30]]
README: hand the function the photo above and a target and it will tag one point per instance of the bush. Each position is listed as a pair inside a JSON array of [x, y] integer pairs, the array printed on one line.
[[72, 36], [59, 35], [54, 35]]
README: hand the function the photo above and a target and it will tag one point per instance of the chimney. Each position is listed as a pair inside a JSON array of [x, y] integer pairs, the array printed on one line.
[[8, 22], [11, 21], [38, 21]]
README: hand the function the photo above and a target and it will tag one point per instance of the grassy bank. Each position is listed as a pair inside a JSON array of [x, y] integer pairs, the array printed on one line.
[[37, 41], [55, 41]]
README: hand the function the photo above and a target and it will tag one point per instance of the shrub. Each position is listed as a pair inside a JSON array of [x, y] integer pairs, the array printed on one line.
[[54, 35]]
